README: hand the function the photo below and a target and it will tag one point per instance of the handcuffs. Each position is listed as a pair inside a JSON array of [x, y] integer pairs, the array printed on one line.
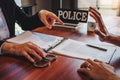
[[45, 61]]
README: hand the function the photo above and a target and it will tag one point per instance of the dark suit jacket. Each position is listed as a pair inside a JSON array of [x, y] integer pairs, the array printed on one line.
[[14, 14]]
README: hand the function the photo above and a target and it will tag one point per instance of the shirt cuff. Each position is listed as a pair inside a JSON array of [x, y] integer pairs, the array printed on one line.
[[1, 49]]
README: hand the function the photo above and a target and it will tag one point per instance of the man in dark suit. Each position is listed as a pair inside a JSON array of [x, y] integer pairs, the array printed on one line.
[[11, 13]]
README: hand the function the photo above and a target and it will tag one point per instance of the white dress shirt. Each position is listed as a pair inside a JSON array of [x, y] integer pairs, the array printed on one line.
[[4, 32]]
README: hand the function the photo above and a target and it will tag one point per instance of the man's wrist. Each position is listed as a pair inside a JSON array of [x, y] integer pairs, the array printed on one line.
[[2, 48], [7, 48], [106, 37], [39, 14], [114, 77]]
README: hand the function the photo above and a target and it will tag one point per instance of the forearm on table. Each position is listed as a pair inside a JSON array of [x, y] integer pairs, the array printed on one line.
[[7, 48], [114, 77], [113, 39]]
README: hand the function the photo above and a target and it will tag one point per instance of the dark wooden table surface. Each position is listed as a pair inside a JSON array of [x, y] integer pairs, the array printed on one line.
[[64, 68]]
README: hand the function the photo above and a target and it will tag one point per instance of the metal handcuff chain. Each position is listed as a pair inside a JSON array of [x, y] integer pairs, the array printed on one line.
[[45, 61]]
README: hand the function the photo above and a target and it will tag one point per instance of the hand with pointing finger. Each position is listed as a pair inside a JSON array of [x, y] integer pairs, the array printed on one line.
[[49, 18]]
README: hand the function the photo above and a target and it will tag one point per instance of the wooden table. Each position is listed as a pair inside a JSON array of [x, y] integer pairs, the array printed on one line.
[[64, 68]]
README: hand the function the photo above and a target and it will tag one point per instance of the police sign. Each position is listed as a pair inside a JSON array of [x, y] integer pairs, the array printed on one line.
[[72, 16]]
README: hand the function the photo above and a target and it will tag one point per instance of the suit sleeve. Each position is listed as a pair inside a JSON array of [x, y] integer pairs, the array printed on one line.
[[27, 22], [1, 42]]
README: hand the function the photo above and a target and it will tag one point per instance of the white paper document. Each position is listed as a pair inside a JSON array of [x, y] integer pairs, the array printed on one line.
[[77, 49], [42, 40], [68, 47]]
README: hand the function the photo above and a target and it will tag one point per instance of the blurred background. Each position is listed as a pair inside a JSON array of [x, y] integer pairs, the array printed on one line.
[[105, 7]]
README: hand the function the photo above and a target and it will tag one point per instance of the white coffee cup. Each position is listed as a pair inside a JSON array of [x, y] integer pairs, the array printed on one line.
[[91, 26]]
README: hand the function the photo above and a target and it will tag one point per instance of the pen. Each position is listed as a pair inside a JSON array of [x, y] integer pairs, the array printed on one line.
[[97, 47]]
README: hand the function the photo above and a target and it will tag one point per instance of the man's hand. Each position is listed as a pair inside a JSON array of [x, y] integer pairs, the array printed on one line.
[[27, 50], [49, 18], [98, 70], [101, 29]]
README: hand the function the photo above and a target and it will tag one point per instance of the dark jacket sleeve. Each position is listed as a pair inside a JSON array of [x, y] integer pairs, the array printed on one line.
[[13, 14], [27, 22], [1, 42]]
